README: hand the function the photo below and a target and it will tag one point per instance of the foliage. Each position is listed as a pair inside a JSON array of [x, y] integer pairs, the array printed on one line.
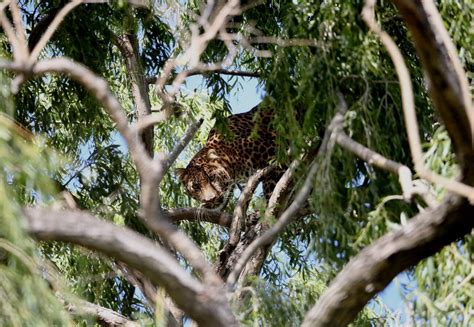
[[25, 296], [267, 305], [64, 141]]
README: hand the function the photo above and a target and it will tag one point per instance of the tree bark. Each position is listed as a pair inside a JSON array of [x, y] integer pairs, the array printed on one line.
[[205, 305], [128, 45], [375, 266]]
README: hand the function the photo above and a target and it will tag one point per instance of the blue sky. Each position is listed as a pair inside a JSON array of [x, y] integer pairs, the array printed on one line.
[[243, 98]]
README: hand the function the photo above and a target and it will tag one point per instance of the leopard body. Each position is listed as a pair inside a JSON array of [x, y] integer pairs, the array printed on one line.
[[226, 160]]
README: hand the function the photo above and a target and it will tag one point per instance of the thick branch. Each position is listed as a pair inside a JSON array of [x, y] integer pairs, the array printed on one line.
[[128, 45], [106, 317], [448, 83], [199, 214], [374, 267], [136, 251], [230, 72]]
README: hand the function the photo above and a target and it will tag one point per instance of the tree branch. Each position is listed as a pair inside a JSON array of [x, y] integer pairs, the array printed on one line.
[[19, 53], [136, 251], [98, 87], [199, 214], [221, 71], [181, 145], [128, 45], [19, 28], [52, 27], [150, 171], [106, 317], [214, 17], [448, 84], [373, 158], [275, 204], [375, 266], [172, 313], [239, 226], [428, 232], [240, 210]]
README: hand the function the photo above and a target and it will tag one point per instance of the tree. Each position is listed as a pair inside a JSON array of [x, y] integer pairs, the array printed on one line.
[[115, 240]]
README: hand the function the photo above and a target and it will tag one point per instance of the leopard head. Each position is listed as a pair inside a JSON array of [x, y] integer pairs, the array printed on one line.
[[206, 187]]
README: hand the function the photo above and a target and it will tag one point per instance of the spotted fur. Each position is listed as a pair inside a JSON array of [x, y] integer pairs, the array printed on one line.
[[231, 159]]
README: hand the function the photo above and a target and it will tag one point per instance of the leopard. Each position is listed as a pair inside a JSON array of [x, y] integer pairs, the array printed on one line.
[[229, 158]]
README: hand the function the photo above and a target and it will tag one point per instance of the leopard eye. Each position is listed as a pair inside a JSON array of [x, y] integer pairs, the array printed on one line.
[[212, 178]]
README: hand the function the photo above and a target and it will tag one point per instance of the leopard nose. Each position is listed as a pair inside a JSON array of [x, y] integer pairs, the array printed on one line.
[[208, 195]]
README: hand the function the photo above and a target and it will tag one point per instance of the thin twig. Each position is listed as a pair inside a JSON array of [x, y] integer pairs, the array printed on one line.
[[104, 316], [199, 42], [376, 159], [150, 120], [199, 214], [284, 42], [207, 71], [179, 146], [280, 188], [128, 45]]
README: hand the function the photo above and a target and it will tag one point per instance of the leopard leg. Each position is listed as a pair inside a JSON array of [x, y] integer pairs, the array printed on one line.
[[270, 180]]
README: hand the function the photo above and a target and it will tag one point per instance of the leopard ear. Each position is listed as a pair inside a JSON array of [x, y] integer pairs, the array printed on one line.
[[180, 172], [212, 155]]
